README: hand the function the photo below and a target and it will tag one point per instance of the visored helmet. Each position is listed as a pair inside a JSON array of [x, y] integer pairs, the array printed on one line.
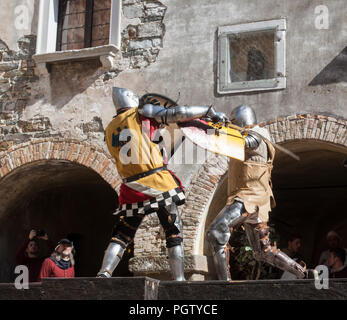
[[243, 116], [124, 98]]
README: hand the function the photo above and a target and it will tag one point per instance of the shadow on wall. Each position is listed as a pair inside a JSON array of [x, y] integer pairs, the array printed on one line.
[[334, 72], [72, 78]]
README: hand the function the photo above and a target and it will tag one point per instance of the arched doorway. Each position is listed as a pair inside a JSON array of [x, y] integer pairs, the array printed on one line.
[[66, 193], [310, 195]]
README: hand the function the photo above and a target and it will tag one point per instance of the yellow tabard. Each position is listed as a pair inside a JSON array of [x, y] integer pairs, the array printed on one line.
[[138, 155], [251, 182]]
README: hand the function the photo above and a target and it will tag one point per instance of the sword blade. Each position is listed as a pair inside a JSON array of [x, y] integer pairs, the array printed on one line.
[[277, 146], [286, 151]]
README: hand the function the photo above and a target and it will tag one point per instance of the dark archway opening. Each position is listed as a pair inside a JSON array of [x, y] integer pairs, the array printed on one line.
[[66, 200], [310, 195]]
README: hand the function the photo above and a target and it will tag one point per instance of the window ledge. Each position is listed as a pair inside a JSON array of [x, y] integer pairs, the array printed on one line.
[[255, 85], [107, 54]]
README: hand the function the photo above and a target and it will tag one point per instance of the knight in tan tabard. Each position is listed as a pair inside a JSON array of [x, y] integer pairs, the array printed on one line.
[[250, 200]]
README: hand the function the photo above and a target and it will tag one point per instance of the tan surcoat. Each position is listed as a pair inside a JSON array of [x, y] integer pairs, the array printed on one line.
[[250, 181]]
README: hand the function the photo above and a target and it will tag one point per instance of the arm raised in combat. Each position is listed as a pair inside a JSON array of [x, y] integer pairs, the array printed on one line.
[[181, 113]]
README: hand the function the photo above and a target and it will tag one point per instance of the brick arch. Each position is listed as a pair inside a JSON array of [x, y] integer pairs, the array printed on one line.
[[206, 181], [308, 126], [79, 152], [198, 197]]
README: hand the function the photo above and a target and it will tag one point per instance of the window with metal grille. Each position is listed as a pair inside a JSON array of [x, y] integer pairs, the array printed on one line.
[[83, 24], [251, 57]]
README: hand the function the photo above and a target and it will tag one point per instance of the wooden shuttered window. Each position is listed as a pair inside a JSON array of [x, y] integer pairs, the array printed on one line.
[[83, 24]]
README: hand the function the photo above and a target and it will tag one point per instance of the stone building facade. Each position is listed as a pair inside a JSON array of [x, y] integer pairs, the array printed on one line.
[[54, 106]]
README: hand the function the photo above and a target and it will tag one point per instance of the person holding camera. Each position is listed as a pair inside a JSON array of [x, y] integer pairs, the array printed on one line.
[[33, 251], [61, 262]]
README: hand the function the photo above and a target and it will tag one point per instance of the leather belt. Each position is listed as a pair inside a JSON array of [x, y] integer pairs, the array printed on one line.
[[143, 174]]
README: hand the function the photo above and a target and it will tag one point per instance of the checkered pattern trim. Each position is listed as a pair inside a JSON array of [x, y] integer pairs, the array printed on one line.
[[145, 207]]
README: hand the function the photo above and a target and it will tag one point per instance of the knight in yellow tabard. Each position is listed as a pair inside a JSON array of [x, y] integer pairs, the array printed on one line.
[[148, 186], [250, 200]]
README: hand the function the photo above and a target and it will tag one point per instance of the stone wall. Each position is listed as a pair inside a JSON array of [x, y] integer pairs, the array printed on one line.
[[142, 39], [17, 74], [33, 108], [187, 63], [143, 36], [17, 80]]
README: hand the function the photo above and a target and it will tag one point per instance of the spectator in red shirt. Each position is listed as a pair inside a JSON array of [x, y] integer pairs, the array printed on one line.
[[30, 253], [61, 263]]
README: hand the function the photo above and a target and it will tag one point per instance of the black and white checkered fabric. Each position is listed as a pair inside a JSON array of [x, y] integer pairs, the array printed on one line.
[[145, 207]]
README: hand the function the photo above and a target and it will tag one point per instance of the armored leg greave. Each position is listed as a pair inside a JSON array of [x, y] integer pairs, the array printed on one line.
[[172, 224], [122, 235], [218, 236], [113, 255], [258, 236], [176, 261]]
